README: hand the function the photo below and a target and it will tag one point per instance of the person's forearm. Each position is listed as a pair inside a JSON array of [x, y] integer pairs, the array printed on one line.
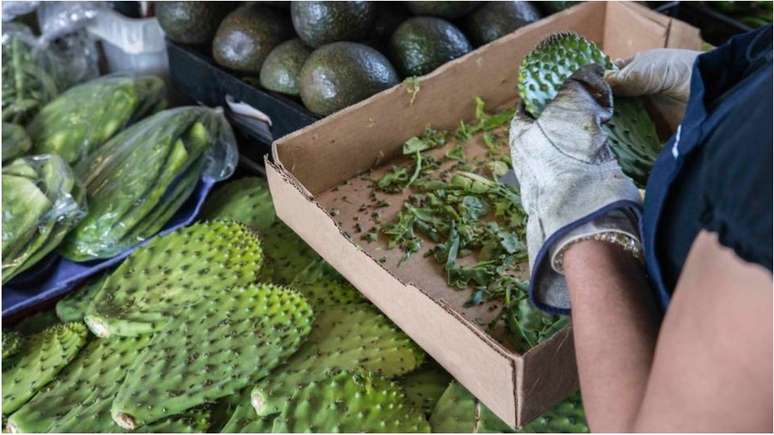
[[615, 326]]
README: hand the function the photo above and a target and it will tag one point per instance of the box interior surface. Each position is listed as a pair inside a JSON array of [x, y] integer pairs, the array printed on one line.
[[323, 174]]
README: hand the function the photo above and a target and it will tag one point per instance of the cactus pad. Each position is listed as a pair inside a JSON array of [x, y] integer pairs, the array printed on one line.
[[631, 131], [566, 417], [171, 273], [11, 343], [73, 307], [246, 200], [43, 356], [213, 349], [324, 287], [458, 411], [37, 322], [425, 386], [350, 402], [343, 338], [79, 399], [286, 254]]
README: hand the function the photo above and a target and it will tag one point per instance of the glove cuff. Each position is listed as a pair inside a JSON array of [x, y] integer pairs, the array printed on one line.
[[548, 288]]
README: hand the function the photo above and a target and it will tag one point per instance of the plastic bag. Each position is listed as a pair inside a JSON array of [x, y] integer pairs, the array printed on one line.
[[13, 9], [76, 56], [57, 19], [42, 200], [29, 74], [16, 142], [138, 180], [86, 116]]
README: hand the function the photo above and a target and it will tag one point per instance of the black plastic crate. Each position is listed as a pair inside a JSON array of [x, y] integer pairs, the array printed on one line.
[[196, 75], [716, 28]]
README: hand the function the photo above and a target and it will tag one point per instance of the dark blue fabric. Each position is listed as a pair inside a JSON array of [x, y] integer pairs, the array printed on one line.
[[55, 276], [718, 160]]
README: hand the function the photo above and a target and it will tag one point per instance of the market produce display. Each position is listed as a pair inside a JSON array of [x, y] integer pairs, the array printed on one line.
[[29, 78], [631, 131], [83, 118], [330, 55], [138, 179], [42, 202], [16, 142]]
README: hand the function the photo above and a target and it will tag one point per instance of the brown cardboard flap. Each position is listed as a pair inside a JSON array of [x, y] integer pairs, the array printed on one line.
[[371, 132]]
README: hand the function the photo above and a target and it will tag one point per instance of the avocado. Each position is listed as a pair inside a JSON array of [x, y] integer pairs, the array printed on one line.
[[422, 44], [191, 22], [450, 9], [341, 74], [247, 35], [497, 19], [322, 22], [280, 71]]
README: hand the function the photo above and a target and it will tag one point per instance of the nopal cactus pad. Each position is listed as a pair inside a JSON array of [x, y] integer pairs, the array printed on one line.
[[246, 200], [566, 417], [425, 386], [171, 273], [324, 287], [343, 338], [214, 349], [350, 402], [458, 411], [79, 399], [545, 69], [286, 254], [43, 356], [11, 343], [73, 307]]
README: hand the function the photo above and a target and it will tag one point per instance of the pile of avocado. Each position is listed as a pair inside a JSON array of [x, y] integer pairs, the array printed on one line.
[[334, 54]]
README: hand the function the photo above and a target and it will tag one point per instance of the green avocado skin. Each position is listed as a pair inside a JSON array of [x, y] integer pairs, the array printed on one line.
[[247, 35], [191, 22], [422, 44], [497, 19], [340, 74], [281, 70], [445, 9], [322, 22]]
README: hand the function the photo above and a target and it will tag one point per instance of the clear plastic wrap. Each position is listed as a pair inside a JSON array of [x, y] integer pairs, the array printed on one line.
[[30, 78], [15, 8], [42, 200], [139, 179], [16, 142], [83, 118], [57, 19]]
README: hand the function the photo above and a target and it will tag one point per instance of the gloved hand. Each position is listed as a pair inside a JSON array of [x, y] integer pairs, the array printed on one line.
[[571, 184], [662, 74]]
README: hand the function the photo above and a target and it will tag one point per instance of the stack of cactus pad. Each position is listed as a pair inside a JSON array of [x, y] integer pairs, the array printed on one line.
[[42, 201], [138, 179], [186, 338], [631, 132], [83, 118]]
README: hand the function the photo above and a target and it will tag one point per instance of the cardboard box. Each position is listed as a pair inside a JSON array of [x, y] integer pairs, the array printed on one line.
[[314, 167]]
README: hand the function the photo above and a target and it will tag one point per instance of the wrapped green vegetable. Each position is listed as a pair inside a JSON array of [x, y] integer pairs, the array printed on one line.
[[138, 180], [86, 116], [16, 143], [42, 201], [28, 75]]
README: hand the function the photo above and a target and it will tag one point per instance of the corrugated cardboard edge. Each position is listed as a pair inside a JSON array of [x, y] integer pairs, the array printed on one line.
[[441, 328]]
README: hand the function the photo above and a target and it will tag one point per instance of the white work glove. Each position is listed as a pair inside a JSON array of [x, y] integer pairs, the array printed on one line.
[[571, 184], [663, 75]]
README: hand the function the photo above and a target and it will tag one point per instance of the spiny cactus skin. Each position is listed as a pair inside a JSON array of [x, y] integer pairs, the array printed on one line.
[[566, 417], [425, 386], [37, 322], [243, 418], [215, 348], [73, 307], [43, 356], [350, 402], [11, 343], [458, 411], [631, 131], [195, 420], [324, 287], [529, 326], [347, 337], [246, 200], [545, 69], [171, 273], [79, 399], [286, 254]]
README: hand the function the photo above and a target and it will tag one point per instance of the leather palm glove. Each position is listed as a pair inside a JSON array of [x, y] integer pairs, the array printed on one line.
[[663, 75], [571, 184]]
